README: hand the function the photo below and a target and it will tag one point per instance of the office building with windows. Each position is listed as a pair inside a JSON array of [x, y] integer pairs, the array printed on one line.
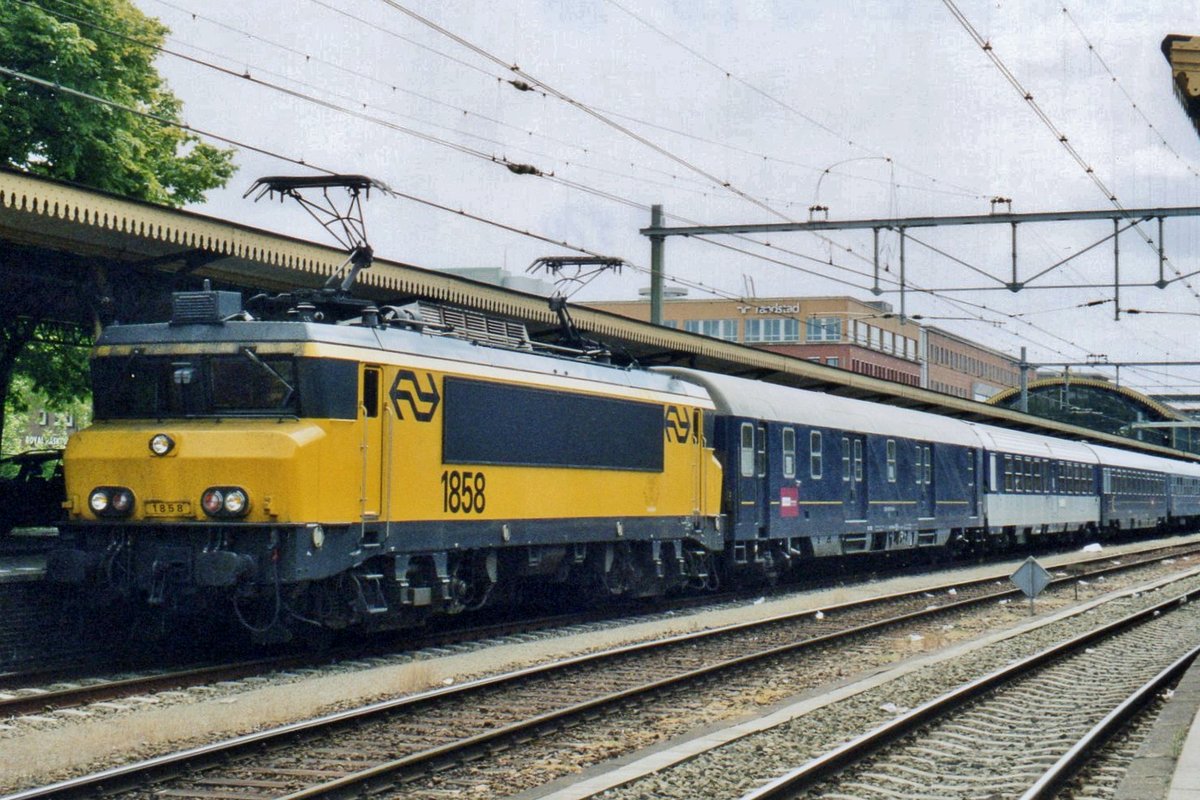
[[864, 337], [955, 365], [867, 337]]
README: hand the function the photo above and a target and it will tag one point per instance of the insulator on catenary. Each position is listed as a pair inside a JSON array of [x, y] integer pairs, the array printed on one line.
[[523, 169]]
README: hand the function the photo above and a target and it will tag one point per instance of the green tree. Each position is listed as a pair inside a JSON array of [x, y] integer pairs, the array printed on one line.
[[104, 48], [109, 54]]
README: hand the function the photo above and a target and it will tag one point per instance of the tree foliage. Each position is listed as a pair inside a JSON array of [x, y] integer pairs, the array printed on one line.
[[24, 428], [105, 49], [107, 53]]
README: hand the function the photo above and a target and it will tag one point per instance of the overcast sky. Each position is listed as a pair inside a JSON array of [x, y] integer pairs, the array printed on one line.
[[734, 112]]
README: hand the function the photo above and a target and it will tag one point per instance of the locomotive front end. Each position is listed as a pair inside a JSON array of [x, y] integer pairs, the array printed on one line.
[[219, 449], [167, 509]]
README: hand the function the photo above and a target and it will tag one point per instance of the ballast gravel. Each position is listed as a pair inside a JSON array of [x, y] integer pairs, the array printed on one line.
[[735, 769]]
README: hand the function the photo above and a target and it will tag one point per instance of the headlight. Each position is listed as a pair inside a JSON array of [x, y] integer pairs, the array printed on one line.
[[161, 444], [111, 501], [99, 501], [122, 501], [213, 501], [225, 501], [235, 501]]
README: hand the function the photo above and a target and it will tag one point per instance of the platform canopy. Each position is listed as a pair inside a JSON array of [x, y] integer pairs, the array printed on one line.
[[1183, 54]]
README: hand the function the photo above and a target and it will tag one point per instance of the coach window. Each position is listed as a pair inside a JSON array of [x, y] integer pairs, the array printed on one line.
[[1018, 470], [928, 466], [845, 459], [918, 472], [815, 456], [1008, 476], [747, 450], [789, 452], [858, 461], [891, 460], [760, 453]]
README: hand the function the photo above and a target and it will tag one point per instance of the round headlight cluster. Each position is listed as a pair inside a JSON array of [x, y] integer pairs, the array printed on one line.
[[225, 501], [111, 501], [161, 444]]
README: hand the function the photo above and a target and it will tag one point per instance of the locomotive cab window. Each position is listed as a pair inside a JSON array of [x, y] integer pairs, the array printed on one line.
[[245, 384]]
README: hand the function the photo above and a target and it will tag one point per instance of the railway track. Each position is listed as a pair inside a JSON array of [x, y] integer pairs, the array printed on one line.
[[40, 692], [419, 741], [997, 733]]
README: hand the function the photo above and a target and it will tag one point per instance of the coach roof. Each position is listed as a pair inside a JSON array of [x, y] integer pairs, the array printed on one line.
[[757, 400]]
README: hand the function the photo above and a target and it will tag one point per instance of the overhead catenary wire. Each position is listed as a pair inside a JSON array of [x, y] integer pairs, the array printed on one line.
[[1158, 134], [986, 46], [290, 159], [436, 140], [789, 107], [246, 74], [546, 239], [592, 112], [573, 184], [414, 198]]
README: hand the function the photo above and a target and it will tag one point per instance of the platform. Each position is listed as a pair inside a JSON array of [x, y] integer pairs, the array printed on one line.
[[1167, 765]]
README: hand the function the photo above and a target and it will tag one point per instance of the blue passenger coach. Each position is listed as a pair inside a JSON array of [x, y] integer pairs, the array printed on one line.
[[808, 474]]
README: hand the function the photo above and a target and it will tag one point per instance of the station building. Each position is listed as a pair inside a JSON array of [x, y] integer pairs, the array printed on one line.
[[866, 337]]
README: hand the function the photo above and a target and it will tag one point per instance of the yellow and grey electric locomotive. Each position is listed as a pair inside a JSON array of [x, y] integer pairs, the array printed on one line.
[[373, 471]]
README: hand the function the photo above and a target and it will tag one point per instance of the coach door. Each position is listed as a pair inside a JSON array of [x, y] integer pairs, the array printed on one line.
[[854, 482], [972, 483], [752, 471], [371, 410], [924, 478]]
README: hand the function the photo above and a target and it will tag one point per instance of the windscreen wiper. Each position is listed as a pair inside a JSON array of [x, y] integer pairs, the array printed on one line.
[[291, 390]]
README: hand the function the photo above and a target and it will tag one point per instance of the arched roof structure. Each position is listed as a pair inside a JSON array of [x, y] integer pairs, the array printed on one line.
[[1104, 406]]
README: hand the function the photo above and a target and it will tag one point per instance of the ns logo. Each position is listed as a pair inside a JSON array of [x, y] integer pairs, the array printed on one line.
[[678, 427], [407, 392]]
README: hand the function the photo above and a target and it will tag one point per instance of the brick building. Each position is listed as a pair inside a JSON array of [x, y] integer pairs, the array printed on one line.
[[956, 365], [866, 337]]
